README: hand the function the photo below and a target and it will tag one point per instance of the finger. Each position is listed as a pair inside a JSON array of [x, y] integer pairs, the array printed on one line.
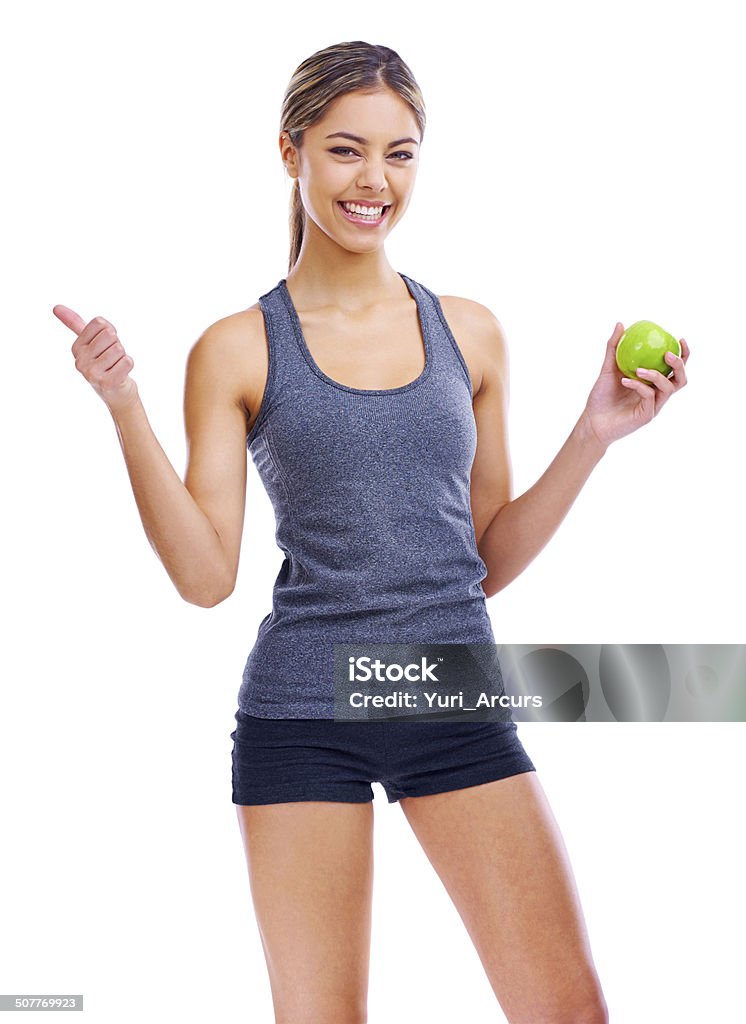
[[684, 349], [92, 332], [611, 345], [635, 385], [69, 318], [677, 364], [645, 392], [656, 379]]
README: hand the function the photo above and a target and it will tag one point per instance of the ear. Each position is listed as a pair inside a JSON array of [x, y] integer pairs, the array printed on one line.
[[289, 155]]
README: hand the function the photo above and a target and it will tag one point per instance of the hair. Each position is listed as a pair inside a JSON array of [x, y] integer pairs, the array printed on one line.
[[320, 80]]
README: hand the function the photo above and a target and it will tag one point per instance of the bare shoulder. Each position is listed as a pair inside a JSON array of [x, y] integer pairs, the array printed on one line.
[[232, 352], [480, 337], [233, 334]]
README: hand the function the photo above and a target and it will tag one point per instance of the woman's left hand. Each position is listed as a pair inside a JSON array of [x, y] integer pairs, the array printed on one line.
[[616, 406]]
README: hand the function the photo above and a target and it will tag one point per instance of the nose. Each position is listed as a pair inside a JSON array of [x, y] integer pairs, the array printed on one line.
[[373, 177]]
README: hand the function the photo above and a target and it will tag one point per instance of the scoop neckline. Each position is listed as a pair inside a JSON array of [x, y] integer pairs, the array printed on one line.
[[422, 320]]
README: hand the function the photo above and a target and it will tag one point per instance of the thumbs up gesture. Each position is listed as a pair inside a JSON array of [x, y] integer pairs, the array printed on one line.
[[100, 357]]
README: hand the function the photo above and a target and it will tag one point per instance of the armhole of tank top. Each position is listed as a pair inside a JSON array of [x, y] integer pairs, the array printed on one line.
[[454, 343], [268, 387]]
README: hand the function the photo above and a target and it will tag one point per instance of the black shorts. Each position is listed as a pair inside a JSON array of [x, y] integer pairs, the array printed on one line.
[[278, 760]]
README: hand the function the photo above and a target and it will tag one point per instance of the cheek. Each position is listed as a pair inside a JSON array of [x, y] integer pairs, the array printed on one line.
[[335, 184], [330, 180]]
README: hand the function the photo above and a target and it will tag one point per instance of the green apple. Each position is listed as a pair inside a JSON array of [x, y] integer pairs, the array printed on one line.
[[643, 345]]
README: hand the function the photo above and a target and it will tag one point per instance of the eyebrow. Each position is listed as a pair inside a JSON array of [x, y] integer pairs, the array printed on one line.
[[364, 142]]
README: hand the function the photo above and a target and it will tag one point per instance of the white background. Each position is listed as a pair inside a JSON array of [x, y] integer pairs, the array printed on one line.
[[582, 163]]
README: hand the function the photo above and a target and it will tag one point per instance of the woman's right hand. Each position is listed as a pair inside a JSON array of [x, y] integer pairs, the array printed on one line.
[[100, 357]]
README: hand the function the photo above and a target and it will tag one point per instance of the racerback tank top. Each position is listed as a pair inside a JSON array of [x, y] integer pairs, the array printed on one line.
[[371, 495]]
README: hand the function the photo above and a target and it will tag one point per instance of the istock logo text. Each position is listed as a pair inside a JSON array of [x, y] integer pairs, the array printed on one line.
[[362, 669]]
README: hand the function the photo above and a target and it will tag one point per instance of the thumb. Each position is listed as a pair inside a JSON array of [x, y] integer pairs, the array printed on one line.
[[69, 318], [611, 344]]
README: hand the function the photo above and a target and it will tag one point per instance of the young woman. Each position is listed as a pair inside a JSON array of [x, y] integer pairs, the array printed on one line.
[[375, 412]]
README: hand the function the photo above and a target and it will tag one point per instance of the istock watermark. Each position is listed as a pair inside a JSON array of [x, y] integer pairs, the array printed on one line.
[[445, 681], [541, 682]]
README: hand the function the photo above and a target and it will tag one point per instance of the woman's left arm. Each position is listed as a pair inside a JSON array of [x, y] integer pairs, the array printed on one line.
[[510, 532]]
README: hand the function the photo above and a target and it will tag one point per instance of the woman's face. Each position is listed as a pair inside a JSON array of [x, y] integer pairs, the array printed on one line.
[[377, 167]]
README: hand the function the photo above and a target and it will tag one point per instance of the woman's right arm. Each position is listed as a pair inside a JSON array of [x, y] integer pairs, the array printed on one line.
[[194, 526]]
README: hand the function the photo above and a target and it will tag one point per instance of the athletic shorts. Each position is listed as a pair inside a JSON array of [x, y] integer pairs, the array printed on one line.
[[279, 760]]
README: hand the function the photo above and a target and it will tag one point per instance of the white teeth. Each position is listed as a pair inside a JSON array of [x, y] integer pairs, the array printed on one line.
[[374, 212]]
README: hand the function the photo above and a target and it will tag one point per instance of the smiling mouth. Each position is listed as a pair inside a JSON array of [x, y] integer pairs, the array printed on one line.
[[362, 218]]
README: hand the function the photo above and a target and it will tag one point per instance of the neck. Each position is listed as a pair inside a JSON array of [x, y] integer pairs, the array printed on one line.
[[325, 274]]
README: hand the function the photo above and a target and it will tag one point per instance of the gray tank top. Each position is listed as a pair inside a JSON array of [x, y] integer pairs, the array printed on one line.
[[371, 494]]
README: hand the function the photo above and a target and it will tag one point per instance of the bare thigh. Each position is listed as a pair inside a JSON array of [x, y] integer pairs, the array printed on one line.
[[498, 850], [310, 869]]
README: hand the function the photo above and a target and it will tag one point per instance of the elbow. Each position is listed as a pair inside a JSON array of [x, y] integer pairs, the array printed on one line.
[[208, 598], [211, 601]]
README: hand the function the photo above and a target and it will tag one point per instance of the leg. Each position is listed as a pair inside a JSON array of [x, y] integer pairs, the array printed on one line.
[[311, 877], [498, 850]]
